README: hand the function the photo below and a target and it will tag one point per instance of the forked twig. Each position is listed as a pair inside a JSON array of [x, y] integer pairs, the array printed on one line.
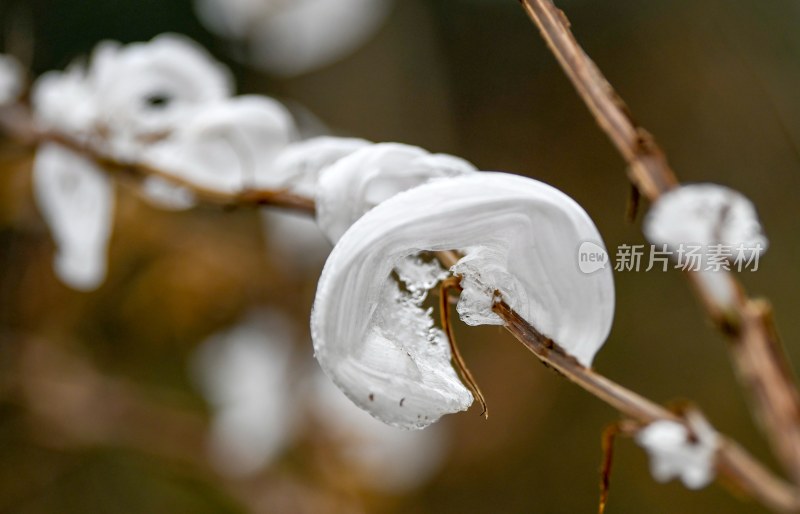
[[758, 355]]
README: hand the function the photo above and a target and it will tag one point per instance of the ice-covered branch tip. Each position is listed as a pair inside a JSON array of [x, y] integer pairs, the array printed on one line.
[[519, 238], [679, 452], [709, 228]]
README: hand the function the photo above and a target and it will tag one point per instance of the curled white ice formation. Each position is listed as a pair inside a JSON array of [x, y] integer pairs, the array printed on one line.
[[520, 238], [358, 182], [76, 200], [227, 145], [299, 165], [675, 453], [130, 95]]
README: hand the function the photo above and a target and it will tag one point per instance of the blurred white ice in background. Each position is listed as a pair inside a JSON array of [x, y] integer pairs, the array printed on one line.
[[11, 79], [386, 458], [244, 374], [76, 199], [292, 37], [263, 399]]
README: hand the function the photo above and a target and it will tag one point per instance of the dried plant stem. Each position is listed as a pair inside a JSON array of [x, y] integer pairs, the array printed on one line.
[[453, 283], [733, 463], [17, 123], [757, 353]]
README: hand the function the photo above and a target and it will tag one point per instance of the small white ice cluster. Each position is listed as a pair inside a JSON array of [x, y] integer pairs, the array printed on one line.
[[711, 217], [677, 452]]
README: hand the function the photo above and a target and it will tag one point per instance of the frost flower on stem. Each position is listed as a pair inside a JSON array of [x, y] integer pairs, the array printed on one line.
[[519, 238], [165, 103], [299, 165], [227, 145], [358, 182], [129, 96], [11, 79], [77, 201], [722, 222], [675, 452]]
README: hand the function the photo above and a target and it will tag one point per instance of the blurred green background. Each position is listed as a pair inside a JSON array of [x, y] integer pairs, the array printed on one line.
[[716, 82]]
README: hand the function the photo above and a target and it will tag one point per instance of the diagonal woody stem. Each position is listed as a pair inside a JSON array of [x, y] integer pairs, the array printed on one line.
[[17, 123], [756, 350]]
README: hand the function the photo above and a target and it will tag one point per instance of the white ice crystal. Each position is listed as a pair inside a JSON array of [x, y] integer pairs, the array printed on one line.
[[298, 166], [11, 79], [129, 96], [245, 375], [358, 182], [146, 90], [64, 101], [387, 458], [705, 214], [226, 145], [520, 238], [719, 222], [294, 37], [674, 453], [77, 202]]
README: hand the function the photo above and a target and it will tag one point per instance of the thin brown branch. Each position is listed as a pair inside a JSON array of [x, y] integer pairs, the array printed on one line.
[[446, 286], [733, 463], [17, 123], [757, 352]]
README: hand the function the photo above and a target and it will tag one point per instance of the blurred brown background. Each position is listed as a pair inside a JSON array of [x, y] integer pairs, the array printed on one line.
[[717, 83]]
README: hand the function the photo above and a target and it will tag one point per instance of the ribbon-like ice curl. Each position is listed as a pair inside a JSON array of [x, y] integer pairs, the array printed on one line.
[[358, 182], [226, 146], [520, 240], [299, 165], [129, 96]]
